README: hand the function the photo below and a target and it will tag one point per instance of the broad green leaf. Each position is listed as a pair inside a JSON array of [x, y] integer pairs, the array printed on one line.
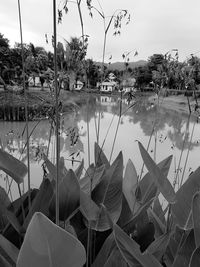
[[4, 262], [109, 193], [12, 166], [69, 196], [196, 217], [92, 178], [126, 214], [129, 227], [159, 226], [8, 251], [100, 157], [6, 209], [195, 258], [41, 201], [79, 170], [184, 253], [159, 246], [47, 245], [4, 203], [88, 207], [52, 169], [147, 186], [105, 251], [181, 210], [130, 185], [116, 259], [130, 250], [160, 180]]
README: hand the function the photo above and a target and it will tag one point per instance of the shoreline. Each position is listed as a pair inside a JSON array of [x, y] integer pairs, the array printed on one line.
[[40, 103], [178, 103]]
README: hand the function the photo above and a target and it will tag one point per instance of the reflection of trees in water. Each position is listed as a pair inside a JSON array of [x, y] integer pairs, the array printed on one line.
[[146, 114], [13, 137]]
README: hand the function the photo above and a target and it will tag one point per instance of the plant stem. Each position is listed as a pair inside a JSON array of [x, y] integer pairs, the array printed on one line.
[[57, 112], [120, 113], [26, 107], [187, 154]]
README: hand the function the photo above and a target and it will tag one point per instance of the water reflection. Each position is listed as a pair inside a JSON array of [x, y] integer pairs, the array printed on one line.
[[173, 132]]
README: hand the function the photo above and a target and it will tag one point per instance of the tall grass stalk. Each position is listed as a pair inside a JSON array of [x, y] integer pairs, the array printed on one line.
[[118, 123], [56, 110], [26, 105], [183, 146], [188, 151]]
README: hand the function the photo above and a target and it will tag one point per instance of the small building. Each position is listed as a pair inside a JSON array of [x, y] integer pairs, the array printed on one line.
[[78, 85], [107, 86]]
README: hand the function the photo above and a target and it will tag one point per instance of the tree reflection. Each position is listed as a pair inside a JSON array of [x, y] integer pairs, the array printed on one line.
[[146, 114]]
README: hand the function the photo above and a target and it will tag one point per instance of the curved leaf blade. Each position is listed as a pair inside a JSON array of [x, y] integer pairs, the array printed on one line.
[[130, 250], [12, 166], [69, 196], [45, 244], [130, 185], [181, 210], [109, 193], [196, 217], [195, 258], [161, 181], [100, 157], [92, 178]]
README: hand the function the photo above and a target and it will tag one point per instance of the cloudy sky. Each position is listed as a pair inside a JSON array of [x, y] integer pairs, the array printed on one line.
[[156, 26]]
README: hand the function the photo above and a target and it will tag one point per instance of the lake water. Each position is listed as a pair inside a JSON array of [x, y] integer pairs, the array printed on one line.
[[173, 132]]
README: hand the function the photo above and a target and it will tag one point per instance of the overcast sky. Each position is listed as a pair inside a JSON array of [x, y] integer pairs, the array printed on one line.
[[156, 26]]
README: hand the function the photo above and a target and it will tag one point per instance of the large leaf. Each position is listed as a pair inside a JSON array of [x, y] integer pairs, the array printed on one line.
[[69, 196], [160, 180], [105, 251], [195, 258], [159, 246], [181, 210], [159, 226], [12, 166], [41, 201], [100, 157], [126, 214], [88, 207], [7, 210], [8, 251], [147, 186], [52, 169], [116, 259], [130, 185], [92, 178], [130, 250], [79, 170], [45, 244], [4, 203], [129, 226], [196, 217], [109, 192], [185, 251]]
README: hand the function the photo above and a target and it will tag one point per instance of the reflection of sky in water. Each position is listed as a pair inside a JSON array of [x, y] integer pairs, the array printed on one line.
[[136, 124]]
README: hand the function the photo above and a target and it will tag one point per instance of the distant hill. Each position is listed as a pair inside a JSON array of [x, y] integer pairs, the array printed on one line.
[[120, 65]]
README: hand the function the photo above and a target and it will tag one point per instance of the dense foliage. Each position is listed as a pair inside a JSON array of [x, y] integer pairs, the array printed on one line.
[[107, 217]]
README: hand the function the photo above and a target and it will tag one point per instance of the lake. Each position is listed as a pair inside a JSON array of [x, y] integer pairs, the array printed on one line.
[[173, 133]]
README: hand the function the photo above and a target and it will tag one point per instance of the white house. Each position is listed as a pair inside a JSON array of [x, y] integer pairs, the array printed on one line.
[[107, 86], [78, 85]]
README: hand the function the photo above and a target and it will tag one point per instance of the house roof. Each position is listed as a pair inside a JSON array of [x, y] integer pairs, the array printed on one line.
[[79, 82], [109, 83]]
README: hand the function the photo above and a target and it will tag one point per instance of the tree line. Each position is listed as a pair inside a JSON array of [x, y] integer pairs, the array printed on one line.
[[159, 71]]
